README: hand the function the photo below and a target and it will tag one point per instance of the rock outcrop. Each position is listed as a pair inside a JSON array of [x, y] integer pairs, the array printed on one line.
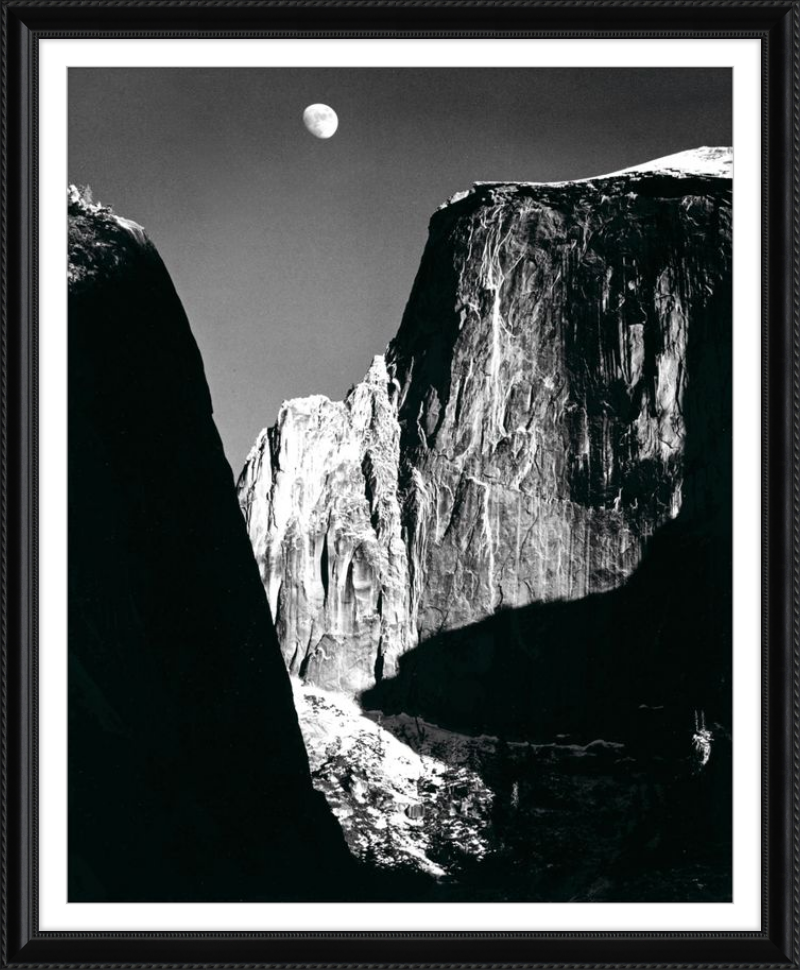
[[188, 777], [319, 493], [408, 799], [560, 389]]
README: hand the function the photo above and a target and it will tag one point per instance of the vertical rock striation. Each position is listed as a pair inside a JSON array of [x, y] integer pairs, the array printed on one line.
[[560, 387], [188, 777], [542, 370], [319, 494]]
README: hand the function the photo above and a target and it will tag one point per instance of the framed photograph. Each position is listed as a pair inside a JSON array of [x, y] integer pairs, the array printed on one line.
[[400, 483]]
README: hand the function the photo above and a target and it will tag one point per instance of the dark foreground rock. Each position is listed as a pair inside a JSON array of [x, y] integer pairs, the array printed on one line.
[[573, 822], [188, 778]]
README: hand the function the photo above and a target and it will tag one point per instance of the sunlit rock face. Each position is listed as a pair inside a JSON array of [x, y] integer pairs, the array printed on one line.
[[540, 386], [400, 806], [542, 362], [319, 493]]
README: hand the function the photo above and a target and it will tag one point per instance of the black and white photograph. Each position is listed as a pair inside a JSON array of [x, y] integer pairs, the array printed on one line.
[[400, 435]]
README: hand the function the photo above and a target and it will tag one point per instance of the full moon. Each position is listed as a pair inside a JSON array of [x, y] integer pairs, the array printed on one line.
[[320, 120]]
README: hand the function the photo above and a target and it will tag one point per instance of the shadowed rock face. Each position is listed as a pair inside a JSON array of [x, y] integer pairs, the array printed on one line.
[[188, 778], [560, 385]]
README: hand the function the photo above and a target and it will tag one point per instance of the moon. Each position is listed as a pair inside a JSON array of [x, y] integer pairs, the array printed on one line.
[[320, 120]]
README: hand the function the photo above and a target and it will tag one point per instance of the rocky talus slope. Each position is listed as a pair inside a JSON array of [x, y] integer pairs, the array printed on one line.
[[407, 796], [188, 777], [532, 489]]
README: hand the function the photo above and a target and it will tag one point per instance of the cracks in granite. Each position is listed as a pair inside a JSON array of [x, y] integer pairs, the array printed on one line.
[[525, 434]]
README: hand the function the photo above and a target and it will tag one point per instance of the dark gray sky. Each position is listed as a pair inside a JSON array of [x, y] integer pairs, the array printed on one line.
[[294, 256]]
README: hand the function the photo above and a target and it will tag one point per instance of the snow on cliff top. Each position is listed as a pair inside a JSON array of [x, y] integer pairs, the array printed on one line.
[[713, 162], [698, 161]]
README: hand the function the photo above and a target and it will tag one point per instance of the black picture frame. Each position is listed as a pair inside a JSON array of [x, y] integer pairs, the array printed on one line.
[[777, 25]]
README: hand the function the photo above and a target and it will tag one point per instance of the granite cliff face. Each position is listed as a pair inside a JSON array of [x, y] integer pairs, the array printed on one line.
[[557, 395], [319, 493], [188, 777]]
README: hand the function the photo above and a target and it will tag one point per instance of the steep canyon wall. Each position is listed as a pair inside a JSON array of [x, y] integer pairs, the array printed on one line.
[[558, 394], [188, 777]]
